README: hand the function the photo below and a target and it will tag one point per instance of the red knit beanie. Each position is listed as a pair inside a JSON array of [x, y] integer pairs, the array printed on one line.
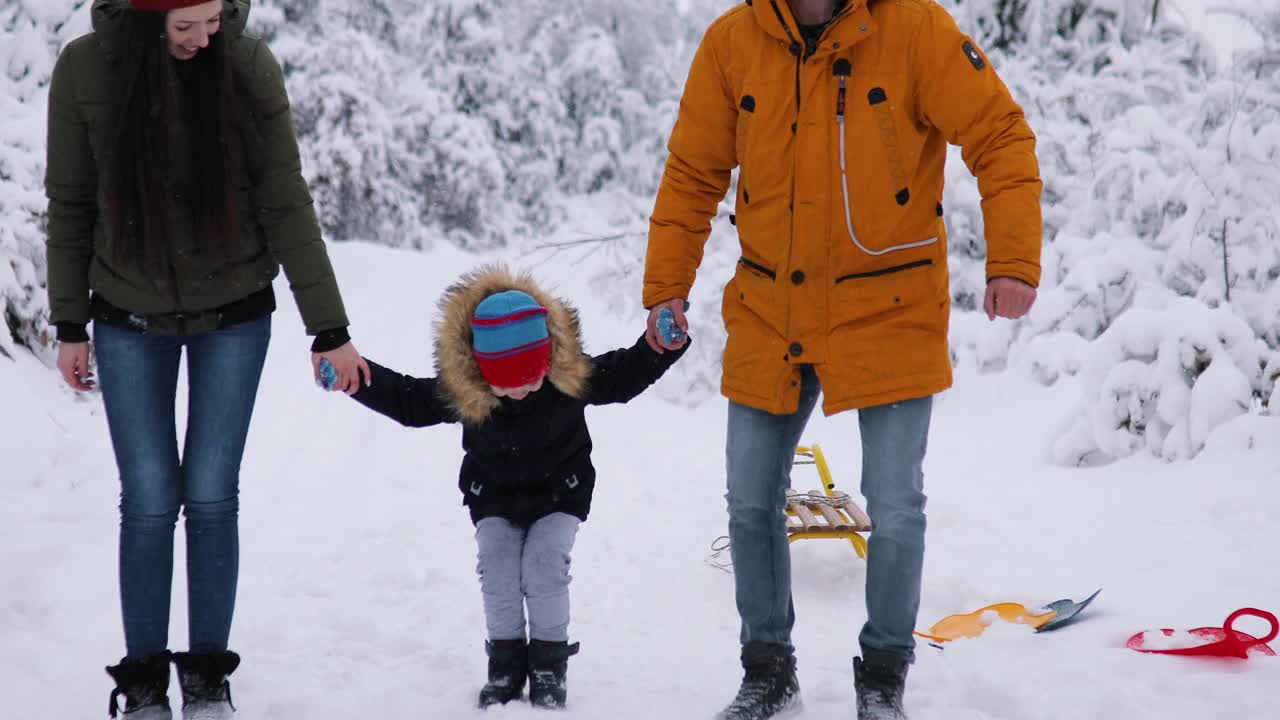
[[511, 343], [164, 5]]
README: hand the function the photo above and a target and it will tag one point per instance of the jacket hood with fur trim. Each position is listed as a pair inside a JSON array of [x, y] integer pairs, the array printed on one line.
[[460, 380]]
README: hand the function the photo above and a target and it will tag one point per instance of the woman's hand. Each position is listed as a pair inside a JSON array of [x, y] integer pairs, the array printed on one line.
[[73, 363], [349, 366]]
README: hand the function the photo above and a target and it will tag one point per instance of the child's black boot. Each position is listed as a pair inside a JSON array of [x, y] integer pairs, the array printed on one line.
[[548, 668], [144, 683], [508, 667]]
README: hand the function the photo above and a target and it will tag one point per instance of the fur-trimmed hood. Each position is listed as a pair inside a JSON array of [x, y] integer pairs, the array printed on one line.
[[456, 369]]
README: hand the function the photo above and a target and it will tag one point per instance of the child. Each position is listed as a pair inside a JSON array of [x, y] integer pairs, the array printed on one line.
[[511, 369]]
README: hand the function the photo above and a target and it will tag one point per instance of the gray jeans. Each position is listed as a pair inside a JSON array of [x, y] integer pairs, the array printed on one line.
[[760, 451], [520, 567]]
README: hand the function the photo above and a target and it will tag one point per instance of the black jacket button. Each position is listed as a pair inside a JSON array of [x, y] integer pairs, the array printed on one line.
[[796, 349], [797, 277]]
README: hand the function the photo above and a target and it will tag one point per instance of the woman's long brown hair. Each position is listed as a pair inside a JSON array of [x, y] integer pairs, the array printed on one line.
[[152, 102]]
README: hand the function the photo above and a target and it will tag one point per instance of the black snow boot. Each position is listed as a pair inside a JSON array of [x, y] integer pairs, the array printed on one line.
[[144, 683], [548, 668], [206, 692], [769, 686], [508, 668], [880, 682]]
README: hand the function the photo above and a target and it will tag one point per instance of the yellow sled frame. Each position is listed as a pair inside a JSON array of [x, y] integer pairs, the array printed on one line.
[[835, 515]]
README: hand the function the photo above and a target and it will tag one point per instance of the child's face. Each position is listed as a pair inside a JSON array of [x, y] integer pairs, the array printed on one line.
[[519, 393]]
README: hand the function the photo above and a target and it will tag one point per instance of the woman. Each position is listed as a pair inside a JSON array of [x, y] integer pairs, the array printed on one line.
[[175, 195]]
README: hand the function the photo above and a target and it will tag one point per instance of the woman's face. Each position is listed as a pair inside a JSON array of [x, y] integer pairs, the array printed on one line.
[[188, 30]]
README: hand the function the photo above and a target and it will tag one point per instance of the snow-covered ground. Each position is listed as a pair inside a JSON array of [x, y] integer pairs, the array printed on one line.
[[358, 596]]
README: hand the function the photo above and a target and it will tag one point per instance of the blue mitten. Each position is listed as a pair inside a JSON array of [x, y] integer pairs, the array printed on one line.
[[328, 376], [671, 332]]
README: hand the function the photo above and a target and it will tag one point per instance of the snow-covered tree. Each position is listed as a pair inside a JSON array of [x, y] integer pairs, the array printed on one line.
[[31, 32], [1163, 244], [1163, 380], [523, 122], [475, 121]]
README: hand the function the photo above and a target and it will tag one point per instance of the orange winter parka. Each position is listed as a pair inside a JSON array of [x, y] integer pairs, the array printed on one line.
[[840, 147]]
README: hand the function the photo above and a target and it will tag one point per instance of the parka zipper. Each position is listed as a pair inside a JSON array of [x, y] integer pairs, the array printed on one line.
[[176, 139], [797, 50], [885, 271], [757, 267], [802, 53], [839, 14], [178, 311], [842, 69]]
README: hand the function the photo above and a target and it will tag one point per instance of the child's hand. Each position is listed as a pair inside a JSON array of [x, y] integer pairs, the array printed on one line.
[[672, 334], [328, 376], [347, 366], [668, 315]]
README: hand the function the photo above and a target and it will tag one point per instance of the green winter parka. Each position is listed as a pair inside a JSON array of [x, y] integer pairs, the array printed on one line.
[[278, 224]]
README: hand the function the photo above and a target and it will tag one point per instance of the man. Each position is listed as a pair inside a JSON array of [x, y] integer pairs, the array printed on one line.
[[837, 114]]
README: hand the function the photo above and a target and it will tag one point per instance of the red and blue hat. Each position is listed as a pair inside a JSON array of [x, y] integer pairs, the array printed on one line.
[[510, 340]]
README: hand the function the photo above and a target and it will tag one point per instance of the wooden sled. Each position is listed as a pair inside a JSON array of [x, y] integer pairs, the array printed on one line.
[[828, 513]]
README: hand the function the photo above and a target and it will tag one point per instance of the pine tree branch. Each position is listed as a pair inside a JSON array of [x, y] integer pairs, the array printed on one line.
[[558, 246]]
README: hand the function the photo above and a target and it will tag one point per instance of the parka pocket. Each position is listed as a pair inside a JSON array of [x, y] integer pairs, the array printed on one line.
[[757, 268], [754, 295], [883, 189], [567, 487], [911, 292], [884, 271]]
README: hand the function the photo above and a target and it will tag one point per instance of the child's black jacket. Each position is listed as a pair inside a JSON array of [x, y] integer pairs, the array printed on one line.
[[524, 458]]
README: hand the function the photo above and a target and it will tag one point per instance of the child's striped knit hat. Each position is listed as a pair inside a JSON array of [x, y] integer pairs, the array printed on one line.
[[510, 340]]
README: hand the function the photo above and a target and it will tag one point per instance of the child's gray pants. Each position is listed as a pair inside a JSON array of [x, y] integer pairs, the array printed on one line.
[[520, 567]]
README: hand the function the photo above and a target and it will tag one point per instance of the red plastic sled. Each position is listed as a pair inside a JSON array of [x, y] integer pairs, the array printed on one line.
[[1225, 641]]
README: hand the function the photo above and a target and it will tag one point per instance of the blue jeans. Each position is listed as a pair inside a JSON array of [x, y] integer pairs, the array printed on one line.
[[138, 373], [761, 448]]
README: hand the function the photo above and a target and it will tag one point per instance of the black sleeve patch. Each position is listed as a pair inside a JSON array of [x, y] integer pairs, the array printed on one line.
[[975, 57]]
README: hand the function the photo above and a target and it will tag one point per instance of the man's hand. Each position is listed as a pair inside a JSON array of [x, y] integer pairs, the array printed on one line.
[[654, 337], [1008, 298], [348, 364], [73, 363]]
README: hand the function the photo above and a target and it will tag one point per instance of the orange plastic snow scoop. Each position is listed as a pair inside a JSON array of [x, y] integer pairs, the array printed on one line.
[[970, 625]]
